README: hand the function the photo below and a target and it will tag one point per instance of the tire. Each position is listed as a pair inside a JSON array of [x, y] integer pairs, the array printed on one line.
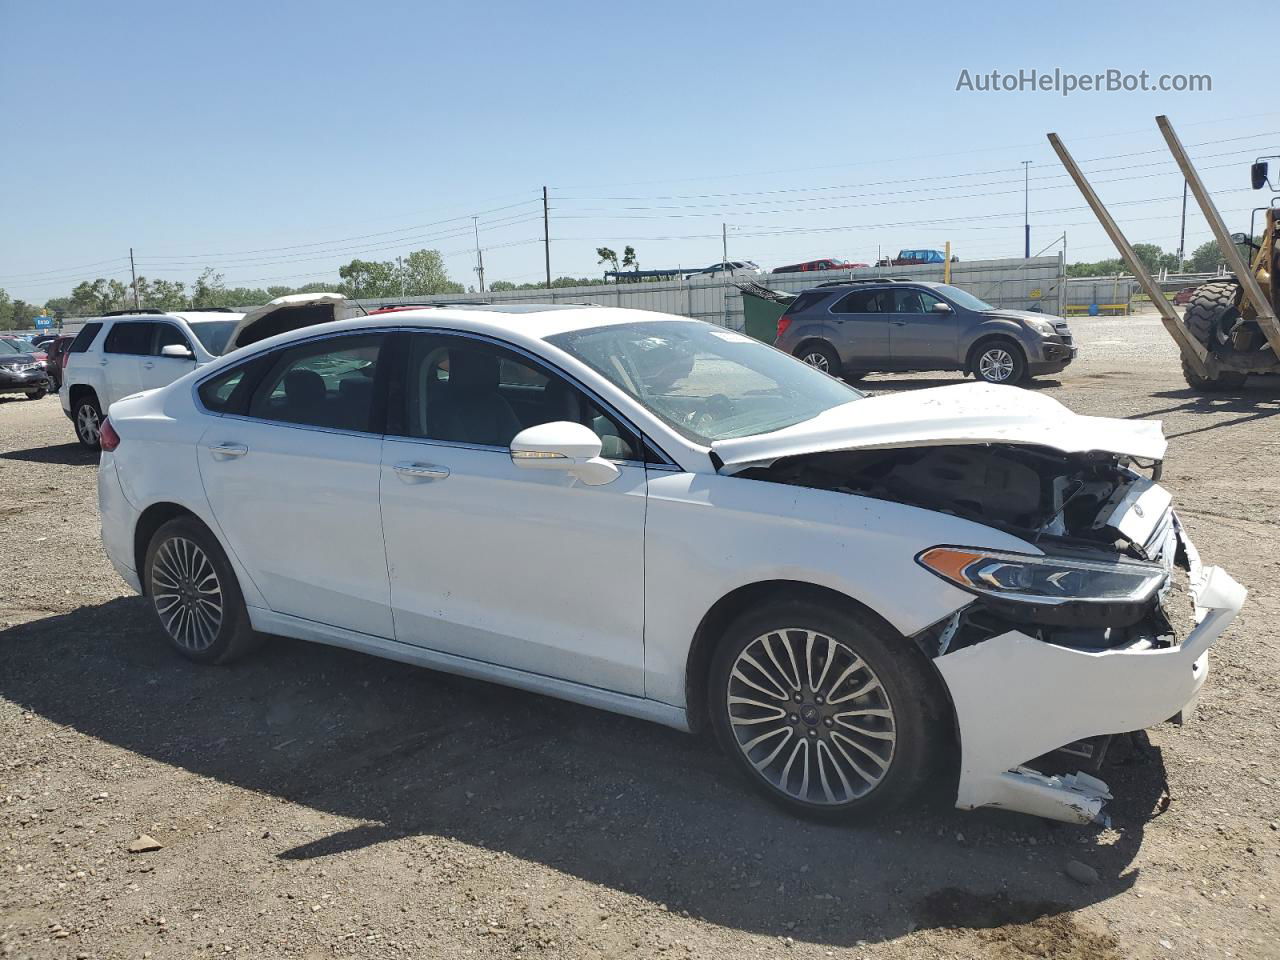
[[998, 360], [1207, 308], [820, 355], [38, 394], [87, 417], [872, 761], [195, 595]]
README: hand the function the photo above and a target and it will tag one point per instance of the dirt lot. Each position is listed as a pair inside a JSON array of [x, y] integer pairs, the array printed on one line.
[[316, 803]]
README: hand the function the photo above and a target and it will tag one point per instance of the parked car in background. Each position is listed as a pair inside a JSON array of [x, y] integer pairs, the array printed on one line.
[[851, 328], [57, 352], [42, 339], [20, 369], [667, 519], [906, 258], [1183, 296], [824, 264], [123, 353], [734, 268]]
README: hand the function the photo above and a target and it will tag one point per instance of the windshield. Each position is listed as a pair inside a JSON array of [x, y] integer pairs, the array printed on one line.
[[213, 334], [962, 297], [705, 382], [8, 346]]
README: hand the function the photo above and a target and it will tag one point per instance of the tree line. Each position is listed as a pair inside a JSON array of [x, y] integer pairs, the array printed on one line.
[[420, 273], [1206, 258]]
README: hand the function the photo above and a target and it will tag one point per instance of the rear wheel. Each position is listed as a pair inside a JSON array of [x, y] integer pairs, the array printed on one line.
[[1210, 313], [822, 709], [820, 355], [87, 416], [194, 593]]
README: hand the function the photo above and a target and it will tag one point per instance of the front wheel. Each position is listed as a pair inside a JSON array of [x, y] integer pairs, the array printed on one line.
[[38, 394], [822, 709], [194, 593], [999, 361]]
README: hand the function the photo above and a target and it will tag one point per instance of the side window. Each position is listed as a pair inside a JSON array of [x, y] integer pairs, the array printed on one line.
[[927, 301], [219, 394], [460, 390], [168, 335], [806, 301], [131, 337], [85, 337], [907, 301], [863, 301], [326, 383]]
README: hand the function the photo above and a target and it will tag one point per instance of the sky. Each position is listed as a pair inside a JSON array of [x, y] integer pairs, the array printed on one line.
[[276, 141]]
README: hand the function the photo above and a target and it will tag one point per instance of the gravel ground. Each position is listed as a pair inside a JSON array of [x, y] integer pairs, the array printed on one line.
[[316, 803]]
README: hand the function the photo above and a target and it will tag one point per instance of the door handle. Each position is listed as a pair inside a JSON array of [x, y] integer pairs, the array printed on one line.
[[422, 471], [102, 362], [149, 365], [225, 451], [898, 323]]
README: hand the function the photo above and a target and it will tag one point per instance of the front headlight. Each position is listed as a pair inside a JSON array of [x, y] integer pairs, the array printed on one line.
[[1051, 581], [1042, 327]]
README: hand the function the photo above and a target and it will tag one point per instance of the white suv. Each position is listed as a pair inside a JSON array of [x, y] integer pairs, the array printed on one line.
[[117, 355]]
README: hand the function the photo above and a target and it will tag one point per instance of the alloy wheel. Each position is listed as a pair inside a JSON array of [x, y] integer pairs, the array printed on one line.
[[816, 359], [88, 424], [996, 365], [811, 716], [187, 594]]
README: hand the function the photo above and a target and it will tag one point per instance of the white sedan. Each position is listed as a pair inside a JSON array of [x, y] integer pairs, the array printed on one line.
[[667, 519]]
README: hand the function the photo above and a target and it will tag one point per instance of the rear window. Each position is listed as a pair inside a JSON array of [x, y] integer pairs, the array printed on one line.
[[129, 337], [85, 337], [806, 301]]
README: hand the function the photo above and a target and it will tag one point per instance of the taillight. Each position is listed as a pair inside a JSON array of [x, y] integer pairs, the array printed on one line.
[[108, 437], [784, 321]]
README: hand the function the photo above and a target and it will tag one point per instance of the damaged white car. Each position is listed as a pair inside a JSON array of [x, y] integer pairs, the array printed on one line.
[[663, 518]]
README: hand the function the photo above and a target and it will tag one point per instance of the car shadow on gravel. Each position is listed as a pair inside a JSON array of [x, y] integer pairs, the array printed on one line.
[[647, 811], [62, 454], [1259, 399]]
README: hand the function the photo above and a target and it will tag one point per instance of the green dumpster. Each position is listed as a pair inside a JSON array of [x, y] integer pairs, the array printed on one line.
[[761, 308]]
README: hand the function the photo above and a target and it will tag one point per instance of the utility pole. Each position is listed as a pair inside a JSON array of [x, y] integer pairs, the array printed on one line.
[[546, 235], [134, 273], [1026, 208], [475, 222], [1182, 235]]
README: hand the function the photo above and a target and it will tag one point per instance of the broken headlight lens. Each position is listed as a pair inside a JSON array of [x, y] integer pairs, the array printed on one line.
[[1045, 580]]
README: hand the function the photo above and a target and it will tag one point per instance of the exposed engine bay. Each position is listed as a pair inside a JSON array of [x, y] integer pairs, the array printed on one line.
[[1094, 505]]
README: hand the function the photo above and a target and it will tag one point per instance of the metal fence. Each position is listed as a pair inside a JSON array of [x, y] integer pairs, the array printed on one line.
[[1019, 284]]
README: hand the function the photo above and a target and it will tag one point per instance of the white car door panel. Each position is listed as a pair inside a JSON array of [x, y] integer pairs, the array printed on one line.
[[532, 570], [298, 502], [157, 371]]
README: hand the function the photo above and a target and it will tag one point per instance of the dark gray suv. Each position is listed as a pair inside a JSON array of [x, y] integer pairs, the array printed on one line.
[[855, 327]]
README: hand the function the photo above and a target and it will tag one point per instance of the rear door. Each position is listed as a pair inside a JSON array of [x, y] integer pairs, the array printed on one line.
[[127, 342], [159, 371], [861, 329], [292, 476], [919, 336]]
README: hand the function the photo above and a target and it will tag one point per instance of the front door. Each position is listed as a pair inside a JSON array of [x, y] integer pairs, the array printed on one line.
[[526, 569], [921, 337], [293, 483], [155, 370]]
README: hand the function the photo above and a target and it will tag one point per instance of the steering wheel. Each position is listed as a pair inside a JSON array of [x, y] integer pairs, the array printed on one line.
[[715, 407]]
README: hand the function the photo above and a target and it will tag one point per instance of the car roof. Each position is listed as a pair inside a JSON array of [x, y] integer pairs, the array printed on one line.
[[510, 321], [189, 316]]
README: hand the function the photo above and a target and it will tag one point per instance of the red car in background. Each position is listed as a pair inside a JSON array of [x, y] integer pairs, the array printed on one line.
[[57, 351], [825, 263]]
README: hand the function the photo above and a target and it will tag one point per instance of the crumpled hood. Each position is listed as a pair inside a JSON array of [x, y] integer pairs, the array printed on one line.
[[965, 413]]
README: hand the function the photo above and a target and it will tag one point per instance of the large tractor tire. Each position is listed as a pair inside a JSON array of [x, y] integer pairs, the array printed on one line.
[[1207, 315]]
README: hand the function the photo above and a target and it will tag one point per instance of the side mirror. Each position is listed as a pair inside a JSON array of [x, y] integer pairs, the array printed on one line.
[[566, 446], [177, 350], [1258, 174], [941, 307]]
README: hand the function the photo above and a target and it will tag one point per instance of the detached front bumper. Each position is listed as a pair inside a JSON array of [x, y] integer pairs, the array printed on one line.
[[1017, 698]]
